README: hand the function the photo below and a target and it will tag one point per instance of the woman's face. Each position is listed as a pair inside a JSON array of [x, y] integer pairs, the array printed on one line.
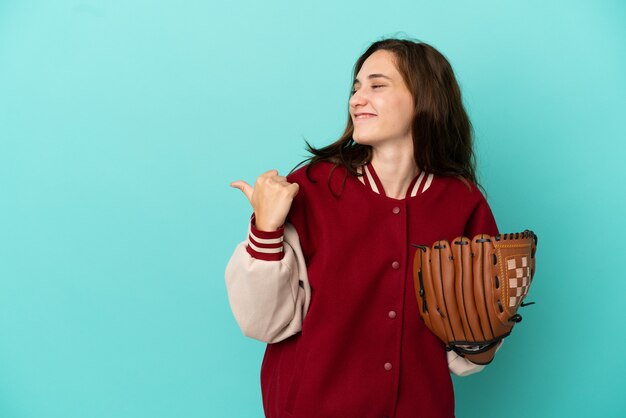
[[381, 106]]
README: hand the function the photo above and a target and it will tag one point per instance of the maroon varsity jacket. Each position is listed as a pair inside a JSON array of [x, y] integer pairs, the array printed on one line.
[[353, 345]]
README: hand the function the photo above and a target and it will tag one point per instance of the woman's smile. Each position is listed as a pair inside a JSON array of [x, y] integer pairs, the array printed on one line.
[[364, 116]]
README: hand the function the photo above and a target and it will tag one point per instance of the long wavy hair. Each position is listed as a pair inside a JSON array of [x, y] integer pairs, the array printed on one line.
[[442, 132]]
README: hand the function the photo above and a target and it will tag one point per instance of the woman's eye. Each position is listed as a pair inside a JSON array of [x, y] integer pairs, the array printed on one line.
[[374, 86]]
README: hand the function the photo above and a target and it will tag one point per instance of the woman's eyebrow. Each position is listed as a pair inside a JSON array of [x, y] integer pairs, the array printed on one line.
[[377, 75]]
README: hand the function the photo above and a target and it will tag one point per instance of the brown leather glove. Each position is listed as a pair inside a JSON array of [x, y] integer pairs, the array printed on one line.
[[468, 293]]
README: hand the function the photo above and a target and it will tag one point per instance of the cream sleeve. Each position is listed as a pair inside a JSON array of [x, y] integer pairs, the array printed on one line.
[[268, 297], [463, 367]]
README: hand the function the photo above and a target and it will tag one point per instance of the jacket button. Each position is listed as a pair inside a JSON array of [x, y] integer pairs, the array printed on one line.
[[396, 210], [392, 314], [387, 366], [395, 265]]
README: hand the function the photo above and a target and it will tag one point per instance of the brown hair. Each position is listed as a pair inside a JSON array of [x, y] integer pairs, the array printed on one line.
[[442, 131]]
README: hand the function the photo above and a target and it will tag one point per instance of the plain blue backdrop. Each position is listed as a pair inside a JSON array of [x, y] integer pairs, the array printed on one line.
[[122, 124]]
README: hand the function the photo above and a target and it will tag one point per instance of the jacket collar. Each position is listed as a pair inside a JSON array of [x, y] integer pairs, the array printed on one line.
[[419, 184]]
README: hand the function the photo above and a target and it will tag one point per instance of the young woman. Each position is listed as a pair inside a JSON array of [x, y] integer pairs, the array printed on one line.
[[325, 275]]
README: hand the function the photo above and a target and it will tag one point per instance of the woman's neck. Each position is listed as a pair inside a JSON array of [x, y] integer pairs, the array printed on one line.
[[396, 169]]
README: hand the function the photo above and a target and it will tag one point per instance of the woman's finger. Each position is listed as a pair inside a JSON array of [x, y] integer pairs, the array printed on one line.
[[244, 187]]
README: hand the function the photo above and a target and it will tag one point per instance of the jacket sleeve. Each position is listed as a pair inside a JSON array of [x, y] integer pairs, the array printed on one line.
[[267, 284], [481, 221], [463, 367]]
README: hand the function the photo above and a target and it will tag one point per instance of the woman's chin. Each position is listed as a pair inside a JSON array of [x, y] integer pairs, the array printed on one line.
[[363, 139]]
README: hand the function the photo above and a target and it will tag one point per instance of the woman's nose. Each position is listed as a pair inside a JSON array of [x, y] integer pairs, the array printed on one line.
[[357, 99]]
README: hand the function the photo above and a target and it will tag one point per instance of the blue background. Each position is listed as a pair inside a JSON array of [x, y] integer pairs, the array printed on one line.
[[122, 124]]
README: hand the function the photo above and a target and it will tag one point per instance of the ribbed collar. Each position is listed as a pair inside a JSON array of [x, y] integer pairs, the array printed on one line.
[[419, 184]]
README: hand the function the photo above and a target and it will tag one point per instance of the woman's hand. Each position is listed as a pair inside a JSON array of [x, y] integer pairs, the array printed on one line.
[[270, 198]]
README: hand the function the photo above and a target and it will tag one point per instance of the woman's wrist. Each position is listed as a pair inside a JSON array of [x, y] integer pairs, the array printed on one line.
[[265, 227], [262, 225]]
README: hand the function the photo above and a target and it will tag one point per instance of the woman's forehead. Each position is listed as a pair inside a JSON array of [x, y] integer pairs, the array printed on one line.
[[380, 62]]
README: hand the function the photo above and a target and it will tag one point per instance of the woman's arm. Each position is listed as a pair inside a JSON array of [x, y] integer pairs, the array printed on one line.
[[267, 284], [481, 221]]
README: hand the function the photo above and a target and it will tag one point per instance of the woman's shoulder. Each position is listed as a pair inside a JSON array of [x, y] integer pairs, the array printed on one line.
[[466, 196], [308, 199], [309, 173], [461, 187]]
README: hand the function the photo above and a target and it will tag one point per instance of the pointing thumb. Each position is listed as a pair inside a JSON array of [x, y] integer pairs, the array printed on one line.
[[244, 187]]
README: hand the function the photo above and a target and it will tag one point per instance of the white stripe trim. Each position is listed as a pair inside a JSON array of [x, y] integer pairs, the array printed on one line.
[[428, 181], [266, 240], [417, 184], [265, 250], [359, 170], [371, 180]]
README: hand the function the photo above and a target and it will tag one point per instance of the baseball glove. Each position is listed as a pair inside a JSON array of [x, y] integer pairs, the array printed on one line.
[[468, 293]]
